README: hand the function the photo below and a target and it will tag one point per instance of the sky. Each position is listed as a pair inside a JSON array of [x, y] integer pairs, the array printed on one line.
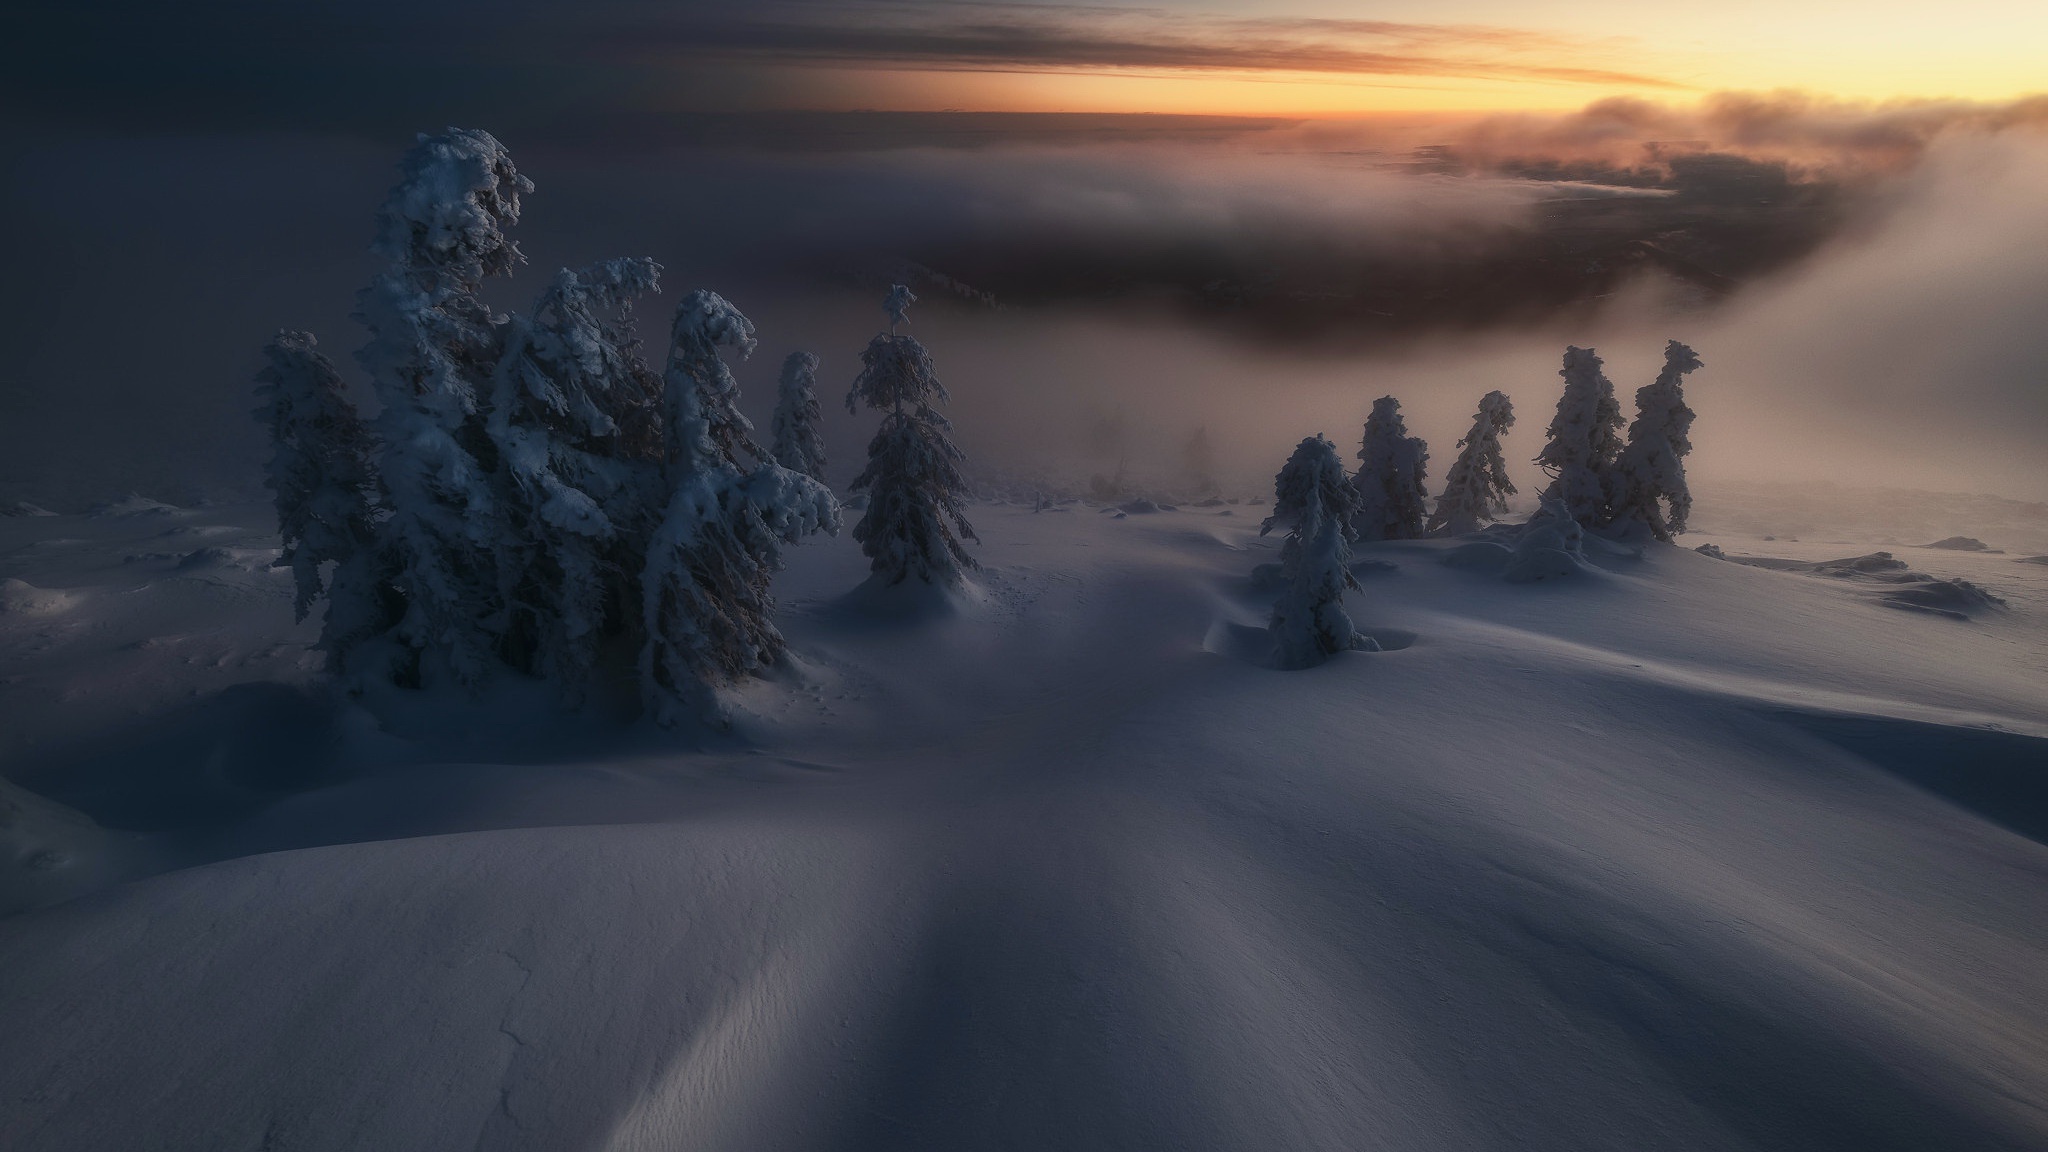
[[1233, 211], [341, 63]]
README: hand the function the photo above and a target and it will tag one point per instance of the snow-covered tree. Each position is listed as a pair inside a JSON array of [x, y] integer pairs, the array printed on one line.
[[1315, 503], [798, 444], [704, 592], [1649, 480], [1392, 464], [326, 492], [434, 346], [914, 524], [1585, 439], [1476, 489], [578, 480]]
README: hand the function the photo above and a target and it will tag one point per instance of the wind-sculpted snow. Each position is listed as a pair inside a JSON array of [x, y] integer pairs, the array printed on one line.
[[1693, 854]]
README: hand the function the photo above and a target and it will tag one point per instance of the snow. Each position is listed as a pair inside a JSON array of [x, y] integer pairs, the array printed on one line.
[[1678, 853]]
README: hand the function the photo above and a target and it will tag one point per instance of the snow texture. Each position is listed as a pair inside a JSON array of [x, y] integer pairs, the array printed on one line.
[[1476, 489], [1584, 440], [1723, 858], [914, 524], [1649, 486], [1316, 504], [799, 445], [1391, 502]]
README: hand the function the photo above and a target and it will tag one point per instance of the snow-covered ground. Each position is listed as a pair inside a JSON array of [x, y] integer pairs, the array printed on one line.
[[1680, 853]]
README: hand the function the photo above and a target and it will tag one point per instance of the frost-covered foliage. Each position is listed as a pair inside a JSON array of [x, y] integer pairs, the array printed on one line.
[[434, 346], [704, 592], [914, 523], [1649, 481], [1476, 489], [1585, 440], [798, 445], [1315, 503], [574, 421], [325, 482], [1392, 464]]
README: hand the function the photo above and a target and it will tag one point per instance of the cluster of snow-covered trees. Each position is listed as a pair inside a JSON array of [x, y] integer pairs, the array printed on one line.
[[532, 494], [1600, 482]]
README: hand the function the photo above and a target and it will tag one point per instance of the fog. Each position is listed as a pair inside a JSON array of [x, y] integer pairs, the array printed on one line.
[[1866, 294]]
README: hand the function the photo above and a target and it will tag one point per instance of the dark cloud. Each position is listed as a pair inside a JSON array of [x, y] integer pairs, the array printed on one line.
[[1068, 39], [625, 66]]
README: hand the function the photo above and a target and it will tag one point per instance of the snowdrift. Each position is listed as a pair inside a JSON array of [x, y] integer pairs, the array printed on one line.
[[1676, 853]]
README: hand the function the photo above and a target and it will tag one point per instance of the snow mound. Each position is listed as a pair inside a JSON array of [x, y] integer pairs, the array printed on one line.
[[1549, 549], [24, 508], [135, 504], [1481, 555], [911, 600], [48, 853], [21, 598], [1956, 599], [1141, 507], [239, 559], [1895, 583], [1961, 544], [1251, 644], [2034, 560]]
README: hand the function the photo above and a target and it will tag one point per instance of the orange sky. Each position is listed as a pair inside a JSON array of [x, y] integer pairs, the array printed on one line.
[[1318, 58]]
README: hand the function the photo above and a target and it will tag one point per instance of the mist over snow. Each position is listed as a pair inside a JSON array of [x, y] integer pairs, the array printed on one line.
[[1858, 277]]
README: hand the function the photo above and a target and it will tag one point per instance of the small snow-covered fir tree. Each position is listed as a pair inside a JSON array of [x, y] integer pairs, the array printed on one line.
[[704, 592], [1584, 440], [1315, 503], [914, 524], [1391, 502], [1649, 480], [798, 444], [326, 493], [578, 479], [434, 345], [1476, 489]]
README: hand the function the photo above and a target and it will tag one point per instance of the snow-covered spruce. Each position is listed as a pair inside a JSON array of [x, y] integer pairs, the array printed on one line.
[[1584, 439], [1392, 464], [1476, 489], [326, 492], [574, 419], [705, 600], [1649, 480], [797, 443], [1315, 503], [434, 346], [914, 524]]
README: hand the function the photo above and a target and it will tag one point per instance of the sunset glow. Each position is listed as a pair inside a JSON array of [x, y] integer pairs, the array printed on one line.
[[1309, 59]]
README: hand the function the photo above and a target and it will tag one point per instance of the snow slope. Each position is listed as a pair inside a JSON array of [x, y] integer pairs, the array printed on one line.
[[1681, 853]]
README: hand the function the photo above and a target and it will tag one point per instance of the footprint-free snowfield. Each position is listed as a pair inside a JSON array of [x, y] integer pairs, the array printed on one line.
[[1678, 852]]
